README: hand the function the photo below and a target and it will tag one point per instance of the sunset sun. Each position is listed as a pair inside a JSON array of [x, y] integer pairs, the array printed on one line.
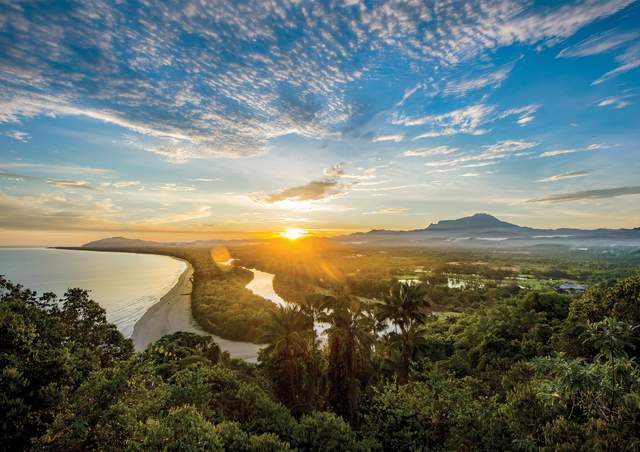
[[294, 233]]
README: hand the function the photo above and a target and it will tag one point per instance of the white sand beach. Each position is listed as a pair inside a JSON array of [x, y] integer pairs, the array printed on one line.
[[173, 313]]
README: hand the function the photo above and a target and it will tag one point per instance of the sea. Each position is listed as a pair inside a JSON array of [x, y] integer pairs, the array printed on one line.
[[126, 285]]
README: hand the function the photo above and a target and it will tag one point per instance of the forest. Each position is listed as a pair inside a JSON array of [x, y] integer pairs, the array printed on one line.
[[516, 370]]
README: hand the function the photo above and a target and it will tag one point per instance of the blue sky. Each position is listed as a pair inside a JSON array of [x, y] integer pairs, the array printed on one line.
[[177, 120]]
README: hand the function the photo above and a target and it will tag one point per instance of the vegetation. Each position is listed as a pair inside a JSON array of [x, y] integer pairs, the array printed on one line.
[[512, 370], [220, 302]]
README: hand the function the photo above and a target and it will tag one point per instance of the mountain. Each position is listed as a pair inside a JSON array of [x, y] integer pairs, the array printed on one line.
[[484, 230], [121, 242], [475, 222]]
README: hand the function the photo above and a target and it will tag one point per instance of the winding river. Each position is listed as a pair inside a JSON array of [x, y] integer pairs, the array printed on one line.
[[262, 285]]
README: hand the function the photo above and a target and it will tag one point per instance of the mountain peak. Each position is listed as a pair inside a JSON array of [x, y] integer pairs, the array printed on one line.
[[475, 221]]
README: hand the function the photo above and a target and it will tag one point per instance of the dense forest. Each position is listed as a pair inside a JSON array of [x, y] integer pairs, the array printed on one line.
[[527, 371]]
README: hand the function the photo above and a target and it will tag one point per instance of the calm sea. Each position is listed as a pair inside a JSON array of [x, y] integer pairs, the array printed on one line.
[[125, 284]]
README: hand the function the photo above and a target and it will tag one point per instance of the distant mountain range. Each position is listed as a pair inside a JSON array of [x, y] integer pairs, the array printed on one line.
[[481, 230], [477, 231], [123, 242]]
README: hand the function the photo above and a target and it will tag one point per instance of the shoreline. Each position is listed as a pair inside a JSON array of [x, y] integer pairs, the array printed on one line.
[[172, 313]]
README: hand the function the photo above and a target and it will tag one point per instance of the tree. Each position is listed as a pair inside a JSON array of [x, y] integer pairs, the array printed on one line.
[[404, 307], [611, 337], [288, 336], [48, 347], [350, 339]]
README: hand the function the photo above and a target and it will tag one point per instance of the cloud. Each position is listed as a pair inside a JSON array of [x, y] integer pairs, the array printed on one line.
[[336, 170], [470, 174], [223, 79], [17, 135], [126, 184], [466, 85], [408, 93], [599, 43], [384, 138], [616, 102], [497, 151], [428, 152], [175, 187], [205, 179], [525, 114], [469, 120], [312, 191], [464, 120], [588, 194], [557, 152], [387, 211], [328, 188], [564, 176], [54, 168], [16, 177], [629, 60], [202, 212], [72, 184]]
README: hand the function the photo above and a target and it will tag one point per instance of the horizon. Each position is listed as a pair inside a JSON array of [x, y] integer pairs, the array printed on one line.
[[287, 234], [225, 121]]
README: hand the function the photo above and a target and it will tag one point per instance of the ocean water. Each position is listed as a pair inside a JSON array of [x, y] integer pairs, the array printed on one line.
[[124, 284]]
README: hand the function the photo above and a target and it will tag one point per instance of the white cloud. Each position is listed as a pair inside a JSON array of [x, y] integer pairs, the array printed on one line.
[[525, 114], [428, 152], [464, 120], [387, 211], [205, 179], [72, 184], [175, 187], [54, 168], [384, 138], [497, 151], [17, 135], [215, 106], [126, 184], [202, 212], [629, 60], [464, 86], [564, 176], [557, 152], [616, 102], [599, 43]]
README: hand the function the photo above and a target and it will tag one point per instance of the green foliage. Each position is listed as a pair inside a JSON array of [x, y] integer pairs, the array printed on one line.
[[47, 348], [522, 371], [326, 431], [223, 306], [439, 414], [289, 356], [404, 307]]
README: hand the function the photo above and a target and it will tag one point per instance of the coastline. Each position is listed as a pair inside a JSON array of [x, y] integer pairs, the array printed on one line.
[[172, 313]]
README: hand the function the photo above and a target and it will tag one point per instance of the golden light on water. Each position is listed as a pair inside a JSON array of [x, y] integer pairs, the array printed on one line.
[[294, 233]]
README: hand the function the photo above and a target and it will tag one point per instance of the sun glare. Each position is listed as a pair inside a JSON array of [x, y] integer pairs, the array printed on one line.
[[294, 233]]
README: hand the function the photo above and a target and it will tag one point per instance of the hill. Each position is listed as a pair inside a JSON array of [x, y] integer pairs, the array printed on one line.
[[483, 230]]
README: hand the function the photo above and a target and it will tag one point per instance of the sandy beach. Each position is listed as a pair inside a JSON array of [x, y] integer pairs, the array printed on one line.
[[173, 313]]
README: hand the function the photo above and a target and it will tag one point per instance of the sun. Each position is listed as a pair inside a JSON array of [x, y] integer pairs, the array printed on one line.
[[294, 233]]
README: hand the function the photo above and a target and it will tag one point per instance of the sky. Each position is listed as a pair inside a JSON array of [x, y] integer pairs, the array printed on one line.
[[189, 120]]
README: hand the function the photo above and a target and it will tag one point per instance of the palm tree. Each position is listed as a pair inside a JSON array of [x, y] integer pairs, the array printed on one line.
[[287, 336], [350, 339], [404, 307]]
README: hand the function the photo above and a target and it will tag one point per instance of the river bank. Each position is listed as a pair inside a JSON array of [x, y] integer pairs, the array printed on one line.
[[173, 314]]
